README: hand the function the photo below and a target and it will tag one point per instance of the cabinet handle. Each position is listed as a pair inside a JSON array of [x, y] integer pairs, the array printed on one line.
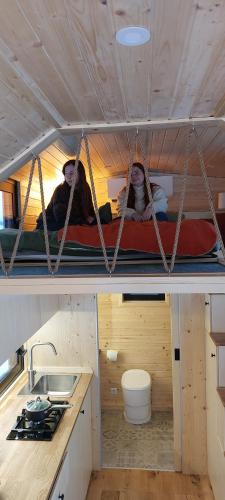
[[61, 496], [82, 411], [213, 355]]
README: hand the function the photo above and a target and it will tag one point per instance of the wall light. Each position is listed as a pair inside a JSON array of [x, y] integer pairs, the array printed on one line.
[[133, 35]]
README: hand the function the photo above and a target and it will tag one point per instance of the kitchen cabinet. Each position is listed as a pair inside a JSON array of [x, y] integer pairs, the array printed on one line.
[[74, 475]]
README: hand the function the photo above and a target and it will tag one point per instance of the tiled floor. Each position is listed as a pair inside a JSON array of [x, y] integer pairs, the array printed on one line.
[[146, 446]]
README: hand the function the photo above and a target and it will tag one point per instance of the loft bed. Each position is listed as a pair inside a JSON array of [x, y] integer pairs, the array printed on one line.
[[139, 252], [121, 249]]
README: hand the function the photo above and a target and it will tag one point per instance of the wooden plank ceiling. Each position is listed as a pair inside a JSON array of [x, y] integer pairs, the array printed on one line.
[[61, 65]]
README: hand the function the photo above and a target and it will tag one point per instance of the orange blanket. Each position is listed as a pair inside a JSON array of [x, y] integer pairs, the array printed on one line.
[[197, 237]]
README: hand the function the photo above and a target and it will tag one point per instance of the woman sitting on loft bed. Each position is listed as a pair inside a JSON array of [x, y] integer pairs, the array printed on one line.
[[82, 210], [139, 207], [196, 237]]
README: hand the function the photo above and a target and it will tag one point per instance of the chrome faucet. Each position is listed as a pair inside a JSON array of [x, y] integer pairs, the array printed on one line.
[[31, 372]]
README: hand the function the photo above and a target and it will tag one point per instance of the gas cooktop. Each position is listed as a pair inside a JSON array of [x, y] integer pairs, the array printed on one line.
[[25, 430]]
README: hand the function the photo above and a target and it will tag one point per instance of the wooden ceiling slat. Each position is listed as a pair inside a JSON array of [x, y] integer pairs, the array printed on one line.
[[170, 137], [60, 65], [135, 63], [199, 65], [27, 47], [21, 99], [63, 54], [87, 20], [170, 32]]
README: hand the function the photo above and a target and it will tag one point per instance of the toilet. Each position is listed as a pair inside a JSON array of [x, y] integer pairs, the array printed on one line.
[[136, 388]]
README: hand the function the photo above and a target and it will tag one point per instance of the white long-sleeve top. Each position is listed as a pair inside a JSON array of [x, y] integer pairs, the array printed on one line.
[[160, 202]]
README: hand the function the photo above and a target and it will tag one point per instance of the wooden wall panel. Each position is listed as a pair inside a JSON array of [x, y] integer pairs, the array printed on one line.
[[193, 375], [195, 198], [52, 176], [140, 331]]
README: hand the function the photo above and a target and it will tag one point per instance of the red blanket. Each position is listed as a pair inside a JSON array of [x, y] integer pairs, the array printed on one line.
[[197, 237]]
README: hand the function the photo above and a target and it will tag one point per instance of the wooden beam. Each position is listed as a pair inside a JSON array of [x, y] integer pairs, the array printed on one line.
[[9, 58], [26, 155], [114, 284], [93, 128]]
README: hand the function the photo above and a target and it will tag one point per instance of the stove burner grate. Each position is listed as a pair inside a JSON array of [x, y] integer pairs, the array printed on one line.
[[26, 430]]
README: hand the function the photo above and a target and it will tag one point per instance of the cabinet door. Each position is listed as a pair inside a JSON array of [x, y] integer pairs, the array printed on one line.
[[86, 444], [61, 482], [80, 453], [73, 479]]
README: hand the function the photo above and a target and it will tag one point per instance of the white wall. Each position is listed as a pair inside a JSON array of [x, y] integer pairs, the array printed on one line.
[[20, 317]]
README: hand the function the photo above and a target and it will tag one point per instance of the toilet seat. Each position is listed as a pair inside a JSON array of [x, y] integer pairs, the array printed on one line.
[[135, 379]]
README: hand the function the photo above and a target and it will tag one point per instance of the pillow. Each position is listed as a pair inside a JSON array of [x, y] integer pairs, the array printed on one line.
[[105, 213]]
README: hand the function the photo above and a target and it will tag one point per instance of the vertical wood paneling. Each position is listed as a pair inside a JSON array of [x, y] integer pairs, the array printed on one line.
[[140, 331], [193, 373]]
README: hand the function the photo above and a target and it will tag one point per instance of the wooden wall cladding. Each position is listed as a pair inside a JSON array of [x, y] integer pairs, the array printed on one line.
[[193, 388], [140, 331]]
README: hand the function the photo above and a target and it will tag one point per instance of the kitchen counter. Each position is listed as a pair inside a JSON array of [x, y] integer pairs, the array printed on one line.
[[28, 469]]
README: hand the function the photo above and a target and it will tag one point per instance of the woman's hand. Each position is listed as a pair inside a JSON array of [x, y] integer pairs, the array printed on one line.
[[90, 219], [147, 214], [137, 217]]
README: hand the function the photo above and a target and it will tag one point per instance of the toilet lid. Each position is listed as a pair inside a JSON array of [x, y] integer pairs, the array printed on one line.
[[135, 379]]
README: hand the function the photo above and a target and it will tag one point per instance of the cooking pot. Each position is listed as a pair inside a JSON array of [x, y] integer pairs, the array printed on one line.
[[38, 409]]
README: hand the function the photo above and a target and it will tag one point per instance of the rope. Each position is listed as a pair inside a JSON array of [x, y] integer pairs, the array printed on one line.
[[120, 230], [15, 248], [181, 207], [208, 189], [68, 209], [155, 222], [44, 214], [100, 231], [2, 261]]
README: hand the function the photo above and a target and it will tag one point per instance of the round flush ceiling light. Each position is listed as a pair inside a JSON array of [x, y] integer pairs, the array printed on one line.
[[133, 35]]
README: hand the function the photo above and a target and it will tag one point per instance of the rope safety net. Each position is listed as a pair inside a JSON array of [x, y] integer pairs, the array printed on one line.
[[111, 267]]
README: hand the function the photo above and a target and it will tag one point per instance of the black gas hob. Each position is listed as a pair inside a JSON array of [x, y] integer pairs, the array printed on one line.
[[25, 430]]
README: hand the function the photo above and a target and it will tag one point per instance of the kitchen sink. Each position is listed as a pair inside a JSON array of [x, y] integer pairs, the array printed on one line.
[[53, 384]]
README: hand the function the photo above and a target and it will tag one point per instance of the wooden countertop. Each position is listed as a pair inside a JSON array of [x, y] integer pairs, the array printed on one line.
[[28, 469]]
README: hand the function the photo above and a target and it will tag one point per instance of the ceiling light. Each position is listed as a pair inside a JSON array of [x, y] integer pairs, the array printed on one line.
[[133, 35]]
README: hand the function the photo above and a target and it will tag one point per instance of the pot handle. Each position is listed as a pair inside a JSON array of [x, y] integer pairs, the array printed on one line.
[[55, 407]]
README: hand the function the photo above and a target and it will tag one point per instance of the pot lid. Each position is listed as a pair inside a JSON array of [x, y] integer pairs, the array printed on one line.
[[38, 404]]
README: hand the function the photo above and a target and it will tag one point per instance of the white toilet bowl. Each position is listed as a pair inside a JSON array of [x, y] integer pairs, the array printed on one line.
[[136, 387]]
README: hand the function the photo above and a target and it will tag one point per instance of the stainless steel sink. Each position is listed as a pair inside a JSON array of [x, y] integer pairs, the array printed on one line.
[[53, 384]]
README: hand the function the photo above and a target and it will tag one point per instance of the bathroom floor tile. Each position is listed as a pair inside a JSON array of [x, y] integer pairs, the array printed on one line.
[[146, 446]]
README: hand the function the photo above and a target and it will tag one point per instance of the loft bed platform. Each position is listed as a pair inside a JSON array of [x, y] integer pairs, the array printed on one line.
[[199, 275], [131, 282], [82, 256], [126, 265]]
